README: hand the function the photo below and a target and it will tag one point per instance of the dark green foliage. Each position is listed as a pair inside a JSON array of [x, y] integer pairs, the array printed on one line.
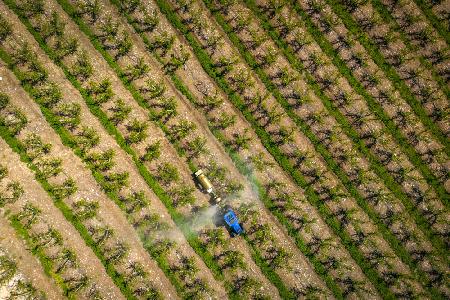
[[5, 29], [182, 196], [100, 92], [87, 138], [137, 131], [152, 152], [120, 112], [35, 147], [64, 190], [84, 210], [114, 182], [101, 161], [167, 173], [11, 193], [82, 67], [4, 100], [14, 121]]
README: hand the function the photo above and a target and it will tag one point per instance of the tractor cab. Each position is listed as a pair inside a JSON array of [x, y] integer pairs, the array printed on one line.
[[232, 223]]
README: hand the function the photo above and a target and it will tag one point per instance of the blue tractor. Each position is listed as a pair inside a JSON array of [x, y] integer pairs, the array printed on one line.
[[232, 223], [229, 216]]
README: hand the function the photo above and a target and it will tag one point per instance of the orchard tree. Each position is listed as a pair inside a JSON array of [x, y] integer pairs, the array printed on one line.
[[137, 70], [69, 115], [91, 8], [163, 42], [32, 8], [120, 112], [48, 167], [129, 6], [148, 21], [197, 147], [65, 259], [100, 92], [5, 29], [135, 201], [87, 138], [241, 141], [82, 67], [152, 151], [64, 190], [8, 269], [114, 182], [167, 173], [28, 215], [183, 195], [76, 283], [181, 130], [49, 94], [11, 193], [85, 210], [137, 131], [64, 47], [51, 237], [223, 121], [154, 89], [100, 235], [168, 109], [53, 27], [15, 120]]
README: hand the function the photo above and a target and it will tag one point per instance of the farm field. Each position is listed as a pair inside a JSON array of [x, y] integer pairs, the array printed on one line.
[[224, 149]]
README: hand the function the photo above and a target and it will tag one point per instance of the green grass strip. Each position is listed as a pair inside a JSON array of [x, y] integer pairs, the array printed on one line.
[[401, 141], [437, 24], [268, 142], [375, 165], [399, 250], [386, 15]]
